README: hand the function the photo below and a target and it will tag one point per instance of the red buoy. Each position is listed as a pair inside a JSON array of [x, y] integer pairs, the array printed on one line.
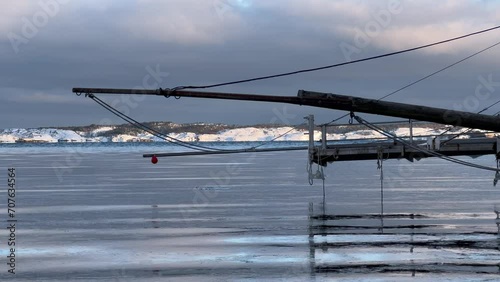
[[154, 159]]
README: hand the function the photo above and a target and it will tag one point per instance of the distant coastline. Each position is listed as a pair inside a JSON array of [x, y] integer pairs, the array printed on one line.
[[208, 132]]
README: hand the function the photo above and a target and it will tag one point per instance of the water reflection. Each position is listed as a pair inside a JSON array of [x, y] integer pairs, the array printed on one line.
[[409, 244]]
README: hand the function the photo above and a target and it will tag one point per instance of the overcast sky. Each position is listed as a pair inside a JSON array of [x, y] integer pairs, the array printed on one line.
[[50, 46]]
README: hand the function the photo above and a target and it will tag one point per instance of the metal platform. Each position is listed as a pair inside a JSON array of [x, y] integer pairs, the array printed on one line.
[[394, 150], [410, 148]]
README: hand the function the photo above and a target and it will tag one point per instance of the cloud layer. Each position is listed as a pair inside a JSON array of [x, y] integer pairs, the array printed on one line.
[[50, 46]]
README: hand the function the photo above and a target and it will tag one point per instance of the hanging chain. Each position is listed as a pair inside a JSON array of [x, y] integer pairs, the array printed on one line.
[[380, 166], [497, 174]]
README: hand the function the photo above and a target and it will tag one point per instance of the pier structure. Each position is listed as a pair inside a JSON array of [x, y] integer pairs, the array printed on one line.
[[393, 147], [410, 147]]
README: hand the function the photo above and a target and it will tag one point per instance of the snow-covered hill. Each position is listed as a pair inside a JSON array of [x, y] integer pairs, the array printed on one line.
[[231, 133], [41, 135]]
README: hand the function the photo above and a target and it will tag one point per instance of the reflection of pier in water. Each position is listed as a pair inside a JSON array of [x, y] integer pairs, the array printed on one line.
[[401, 243]]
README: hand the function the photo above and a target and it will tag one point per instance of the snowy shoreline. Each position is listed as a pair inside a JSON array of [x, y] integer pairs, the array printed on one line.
[[242, 134]]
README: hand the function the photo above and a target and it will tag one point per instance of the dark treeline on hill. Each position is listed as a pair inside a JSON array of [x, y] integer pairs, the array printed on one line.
[[161, 126], [392, 126], [167, 127]]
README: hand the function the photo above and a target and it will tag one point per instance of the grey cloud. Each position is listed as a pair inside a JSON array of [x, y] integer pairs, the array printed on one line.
[[102, 46]]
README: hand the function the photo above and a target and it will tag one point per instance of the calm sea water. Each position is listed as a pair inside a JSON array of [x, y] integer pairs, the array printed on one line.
[[101, 212]]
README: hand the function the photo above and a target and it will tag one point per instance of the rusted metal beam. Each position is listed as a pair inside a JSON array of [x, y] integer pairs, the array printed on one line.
[[332, 101]]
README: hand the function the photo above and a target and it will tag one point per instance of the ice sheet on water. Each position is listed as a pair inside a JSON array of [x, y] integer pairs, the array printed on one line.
[[139, 229], [139, 148]]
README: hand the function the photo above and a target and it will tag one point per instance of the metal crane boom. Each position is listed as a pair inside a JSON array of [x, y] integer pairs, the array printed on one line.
[[332, 101]]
